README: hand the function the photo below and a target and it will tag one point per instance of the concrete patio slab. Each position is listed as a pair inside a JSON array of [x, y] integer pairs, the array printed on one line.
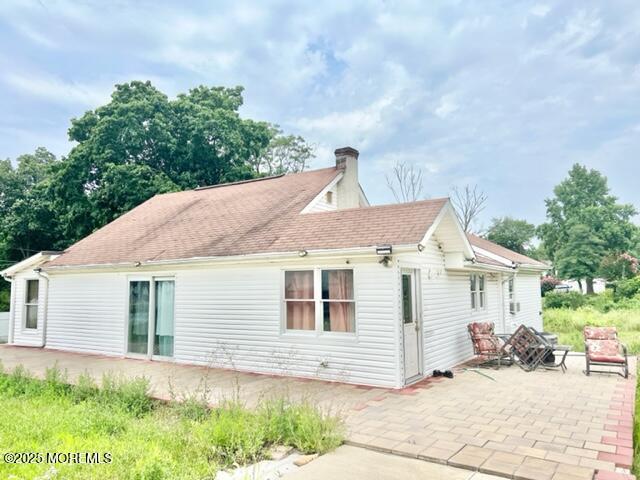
[[507, 422], [352, 463]]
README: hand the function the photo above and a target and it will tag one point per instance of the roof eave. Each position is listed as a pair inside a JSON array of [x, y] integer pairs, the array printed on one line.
[[362, 252]]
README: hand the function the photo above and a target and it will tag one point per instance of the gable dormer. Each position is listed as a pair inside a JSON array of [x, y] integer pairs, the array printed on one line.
[[344, 191]]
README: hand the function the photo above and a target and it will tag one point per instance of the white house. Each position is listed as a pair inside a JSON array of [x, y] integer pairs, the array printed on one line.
[[293, 275]]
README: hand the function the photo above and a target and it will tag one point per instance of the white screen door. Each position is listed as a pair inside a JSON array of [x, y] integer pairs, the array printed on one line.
[[410, 325]]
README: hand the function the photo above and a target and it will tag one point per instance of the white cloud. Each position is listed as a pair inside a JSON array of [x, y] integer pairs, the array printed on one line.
[[492, 92], [540, 10], [56, 90]]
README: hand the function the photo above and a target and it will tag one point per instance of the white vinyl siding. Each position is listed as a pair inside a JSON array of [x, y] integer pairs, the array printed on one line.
[[232, 317], [326, 203], [447, 310], [527, 294], [87, 312]]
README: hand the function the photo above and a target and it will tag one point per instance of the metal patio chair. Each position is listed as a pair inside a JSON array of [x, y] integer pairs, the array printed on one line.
[[488, 345], [602, 347], [527, 348]]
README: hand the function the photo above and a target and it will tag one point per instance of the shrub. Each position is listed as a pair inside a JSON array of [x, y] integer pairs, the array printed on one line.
[[571, 300], [619, 266], [628, 288], [548, 283]]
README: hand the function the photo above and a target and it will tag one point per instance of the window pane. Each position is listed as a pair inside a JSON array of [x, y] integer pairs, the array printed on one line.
[[481, 282], [339, 316], [481, 295], [473, 300], [407, 301], [298, 285], [32, 291], [301, 315], [163, 341], [472, 280], [32, 316], [138, 316], [337, 284]]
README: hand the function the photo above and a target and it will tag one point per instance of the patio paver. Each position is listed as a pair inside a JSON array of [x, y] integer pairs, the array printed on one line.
[[529, 426]]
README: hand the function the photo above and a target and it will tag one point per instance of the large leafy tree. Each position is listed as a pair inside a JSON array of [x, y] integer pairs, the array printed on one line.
[[512, 233], [584, 217], [139, 144], [284, 154], [142, 143], [27, 224]]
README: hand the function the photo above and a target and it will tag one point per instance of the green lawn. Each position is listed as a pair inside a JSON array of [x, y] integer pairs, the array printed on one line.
[[568, 324], [147, 440]]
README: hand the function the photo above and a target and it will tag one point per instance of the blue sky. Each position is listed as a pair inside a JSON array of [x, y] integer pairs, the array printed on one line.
[[503, 94]]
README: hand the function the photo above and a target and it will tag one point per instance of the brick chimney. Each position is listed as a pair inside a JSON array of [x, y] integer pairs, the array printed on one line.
[[348, 188]]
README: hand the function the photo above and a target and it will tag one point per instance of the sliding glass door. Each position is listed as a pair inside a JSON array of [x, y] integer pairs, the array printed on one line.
[[163, 331], [151, 317], [139, 298]]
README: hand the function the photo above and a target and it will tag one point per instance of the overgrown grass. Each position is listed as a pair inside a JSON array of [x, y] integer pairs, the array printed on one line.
[[568, 324], [148, 440]]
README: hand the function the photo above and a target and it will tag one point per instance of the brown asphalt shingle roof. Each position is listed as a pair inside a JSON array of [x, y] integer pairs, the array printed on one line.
[[252, 217], [496, 249]]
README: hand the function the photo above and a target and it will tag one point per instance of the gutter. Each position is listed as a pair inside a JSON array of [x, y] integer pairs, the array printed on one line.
[[12, 308], [362, 252], [45, 307]]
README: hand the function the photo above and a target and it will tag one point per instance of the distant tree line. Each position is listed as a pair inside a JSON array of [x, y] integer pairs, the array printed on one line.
[[138, 145], [588, 233]]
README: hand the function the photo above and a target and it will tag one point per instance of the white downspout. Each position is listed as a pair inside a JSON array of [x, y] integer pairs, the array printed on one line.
[[45, 307], [12, 308]]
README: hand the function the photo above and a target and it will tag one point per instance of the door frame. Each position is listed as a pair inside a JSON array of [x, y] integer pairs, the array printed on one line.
[[417, 304], [152, 279]]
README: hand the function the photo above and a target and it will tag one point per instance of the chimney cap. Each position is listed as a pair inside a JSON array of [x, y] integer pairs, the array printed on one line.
[[347, 152]]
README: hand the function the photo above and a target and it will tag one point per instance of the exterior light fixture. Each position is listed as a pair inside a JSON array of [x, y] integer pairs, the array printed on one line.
[[302, 253], [384, 250], [137, 264]]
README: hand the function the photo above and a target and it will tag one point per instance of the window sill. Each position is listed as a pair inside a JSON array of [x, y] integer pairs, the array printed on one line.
[[346, 337]]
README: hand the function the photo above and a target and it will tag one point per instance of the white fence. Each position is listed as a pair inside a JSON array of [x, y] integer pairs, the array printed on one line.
[[4, 326]]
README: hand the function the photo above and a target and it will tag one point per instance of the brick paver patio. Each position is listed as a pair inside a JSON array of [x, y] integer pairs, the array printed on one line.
[[530, 426]]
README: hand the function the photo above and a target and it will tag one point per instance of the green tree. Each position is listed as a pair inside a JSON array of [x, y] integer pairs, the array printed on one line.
[[142, 143], [284, 154], [582, 209], [27, 223], [577, 257], [512, 233]]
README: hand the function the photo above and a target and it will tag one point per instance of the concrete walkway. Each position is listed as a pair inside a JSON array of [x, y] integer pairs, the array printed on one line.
[[530, 426], [352, 463]]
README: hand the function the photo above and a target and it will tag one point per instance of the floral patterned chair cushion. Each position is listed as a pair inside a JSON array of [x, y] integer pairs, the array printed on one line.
[[600, 333], [483, 338], [602, 344]]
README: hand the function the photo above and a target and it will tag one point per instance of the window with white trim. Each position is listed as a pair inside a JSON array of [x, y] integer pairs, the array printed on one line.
[[319, 300], [477, 286], [32, 289], [513, 306]]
